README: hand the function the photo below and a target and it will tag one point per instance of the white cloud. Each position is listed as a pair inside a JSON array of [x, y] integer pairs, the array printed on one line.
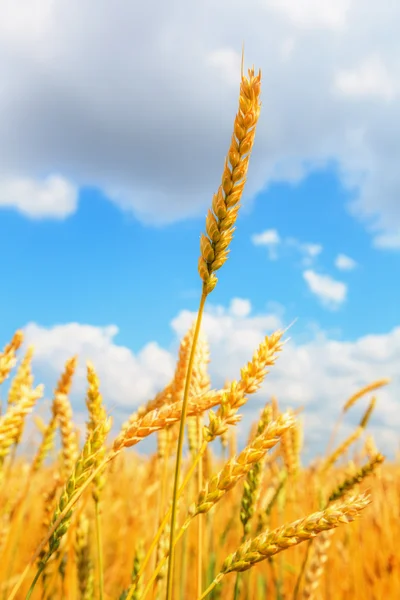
[[369, 79], [240, 307], [227, 61], [332, 293], [272, 240], [313, 249], [313, 13], [388, 241], [345, 263], [127, 379], [319, 374], [308, 251], [269, 238], [30, 20], [73, 105], [52, 197]]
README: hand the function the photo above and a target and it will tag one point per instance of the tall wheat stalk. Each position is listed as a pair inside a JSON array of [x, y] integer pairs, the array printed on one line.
[[214, 247]]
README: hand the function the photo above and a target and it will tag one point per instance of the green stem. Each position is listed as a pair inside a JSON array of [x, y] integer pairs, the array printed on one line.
[[211, 586], [34, 582], [99, 550], [180, 446], [238, 581], [162, 561]]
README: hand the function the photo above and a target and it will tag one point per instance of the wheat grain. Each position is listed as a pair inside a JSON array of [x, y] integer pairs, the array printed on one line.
[[220, 220], [270, 543]]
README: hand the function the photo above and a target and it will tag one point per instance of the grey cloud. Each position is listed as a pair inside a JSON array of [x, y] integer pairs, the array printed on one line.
[[133, 98]]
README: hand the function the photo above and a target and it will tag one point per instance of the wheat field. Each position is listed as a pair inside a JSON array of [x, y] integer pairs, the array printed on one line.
[[90, 517]]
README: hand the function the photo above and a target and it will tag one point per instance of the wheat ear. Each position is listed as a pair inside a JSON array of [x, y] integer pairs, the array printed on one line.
[[97, 416], [79, 477], [214, 246], [375, 385], [270, 543], [7, 357], [63, 412], [11, 422]]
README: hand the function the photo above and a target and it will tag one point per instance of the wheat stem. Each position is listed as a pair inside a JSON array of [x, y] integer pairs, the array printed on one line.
[[99, 540], [180, 444]]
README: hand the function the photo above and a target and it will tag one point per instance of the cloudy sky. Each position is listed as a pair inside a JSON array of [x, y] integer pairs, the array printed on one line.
[[115, 120]]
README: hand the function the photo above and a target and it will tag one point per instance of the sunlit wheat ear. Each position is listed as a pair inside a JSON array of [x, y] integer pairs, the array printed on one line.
[[365, 390], [200, 384], [341, 449], [234, 469], [252, 376], [11, 422], [315, 569], [200, 377], [97, 415], [225, 205], [297, 444], [23, 377], [63, 412], [46, 445], [287, 453], [7, 356], [161, 398], [178, 383], [231, 400], [275, 407], [239, 466], [270, 543], [370, 448], [161, 418]]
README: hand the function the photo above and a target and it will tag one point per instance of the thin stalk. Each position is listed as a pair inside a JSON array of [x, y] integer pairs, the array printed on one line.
[[180, 445], [163, 524], [161, 564], [302, 569], [210, 587], [34, 582], [305, 560], [199, 520], [184, 564], [99, 540], [236, 592], [238, 581]]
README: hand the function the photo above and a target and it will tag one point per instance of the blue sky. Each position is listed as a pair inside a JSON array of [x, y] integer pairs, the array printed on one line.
[[109, 162], [101, 265]]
